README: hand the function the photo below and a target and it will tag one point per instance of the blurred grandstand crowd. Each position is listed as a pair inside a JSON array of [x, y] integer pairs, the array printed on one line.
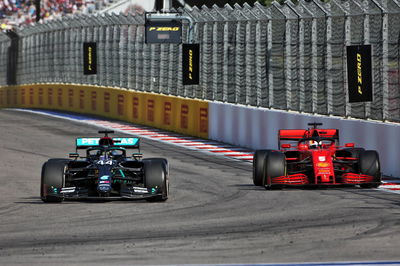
[[14, 13]]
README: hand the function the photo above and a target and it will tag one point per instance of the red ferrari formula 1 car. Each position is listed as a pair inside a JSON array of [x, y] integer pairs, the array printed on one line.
[[315, 158]]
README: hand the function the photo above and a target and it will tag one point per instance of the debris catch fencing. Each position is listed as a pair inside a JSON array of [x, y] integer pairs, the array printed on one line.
[[290, 57]]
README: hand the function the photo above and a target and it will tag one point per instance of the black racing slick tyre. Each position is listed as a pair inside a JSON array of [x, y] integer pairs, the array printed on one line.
[[369, 165], [53, 176], [258, 166], [275, 166], [156, 176]]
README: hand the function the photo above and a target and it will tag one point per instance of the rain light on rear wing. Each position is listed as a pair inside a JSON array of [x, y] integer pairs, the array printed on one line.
[[127, 143]]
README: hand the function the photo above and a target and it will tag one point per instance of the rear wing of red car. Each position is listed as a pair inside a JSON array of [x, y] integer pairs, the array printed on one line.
[[298, 134]]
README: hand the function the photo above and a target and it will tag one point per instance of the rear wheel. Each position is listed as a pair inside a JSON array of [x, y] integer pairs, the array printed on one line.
[[258, 166], [53, 176], [369, 165], [156, 176], [275, 166]]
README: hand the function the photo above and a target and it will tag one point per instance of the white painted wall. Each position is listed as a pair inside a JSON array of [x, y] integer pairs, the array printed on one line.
[[257, 128]]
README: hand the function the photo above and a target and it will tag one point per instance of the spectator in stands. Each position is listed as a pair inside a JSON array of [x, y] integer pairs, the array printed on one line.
[[21, 12]]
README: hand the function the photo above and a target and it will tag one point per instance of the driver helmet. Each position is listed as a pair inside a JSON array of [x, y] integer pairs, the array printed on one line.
[[313, 144]]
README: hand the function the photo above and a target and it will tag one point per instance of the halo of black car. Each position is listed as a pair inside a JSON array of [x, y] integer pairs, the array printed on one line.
[[105, 172], [315, 160]]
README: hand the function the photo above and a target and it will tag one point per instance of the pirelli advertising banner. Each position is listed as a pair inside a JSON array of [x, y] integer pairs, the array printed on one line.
[[163, 32], [359, 73], [89, 58], [190, 64]]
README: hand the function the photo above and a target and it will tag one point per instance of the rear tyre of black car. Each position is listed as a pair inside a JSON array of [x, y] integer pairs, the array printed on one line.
[[53, 175], [275, 166], [259, 160], [369, 165], [156, 176]]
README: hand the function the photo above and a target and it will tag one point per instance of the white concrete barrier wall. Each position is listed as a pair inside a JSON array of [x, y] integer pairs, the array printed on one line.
[[257, 128]]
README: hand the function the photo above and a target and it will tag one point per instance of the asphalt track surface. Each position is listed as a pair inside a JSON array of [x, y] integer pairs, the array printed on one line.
[[214, 214]]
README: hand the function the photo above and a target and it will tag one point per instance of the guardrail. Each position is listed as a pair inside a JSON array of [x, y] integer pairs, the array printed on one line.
[[289, 57]]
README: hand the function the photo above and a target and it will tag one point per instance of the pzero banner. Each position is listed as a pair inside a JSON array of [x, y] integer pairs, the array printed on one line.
[[163, 32], [359, 73], [89, 58], [190, 64]]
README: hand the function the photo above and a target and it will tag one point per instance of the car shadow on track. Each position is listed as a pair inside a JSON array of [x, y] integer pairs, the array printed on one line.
[[37, 200], [307, 188]]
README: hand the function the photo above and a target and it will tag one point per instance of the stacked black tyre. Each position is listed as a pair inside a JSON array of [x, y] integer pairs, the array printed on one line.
[[53, 176], [268, 164], [156, 171]]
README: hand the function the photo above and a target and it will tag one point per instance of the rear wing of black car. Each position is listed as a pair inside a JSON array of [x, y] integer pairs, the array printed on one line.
[[127, 143]]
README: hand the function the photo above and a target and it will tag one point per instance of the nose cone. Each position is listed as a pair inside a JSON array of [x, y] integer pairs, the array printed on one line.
[[104, 185], [104, 188]]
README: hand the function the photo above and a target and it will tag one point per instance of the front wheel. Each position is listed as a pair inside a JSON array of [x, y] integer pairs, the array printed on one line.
[[369, 165], [156, 177], [275, 166], [53, 179], [259, 159]]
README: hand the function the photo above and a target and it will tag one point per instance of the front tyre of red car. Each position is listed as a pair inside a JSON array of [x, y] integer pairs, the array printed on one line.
[[275, 166], [369, 165], [259, 160]]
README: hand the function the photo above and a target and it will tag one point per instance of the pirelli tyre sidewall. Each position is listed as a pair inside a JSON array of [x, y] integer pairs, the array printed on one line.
[[258, 166], [156, 172], [369, 164], [274, 166], [53, 175]]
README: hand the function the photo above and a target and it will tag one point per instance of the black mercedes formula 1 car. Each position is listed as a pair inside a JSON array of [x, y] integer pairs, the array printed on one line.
[[105, 171]]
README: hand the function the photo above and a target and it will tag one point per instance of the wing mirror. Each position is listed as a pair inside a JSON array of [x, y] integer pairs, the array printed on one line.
[[302, 147], [74, 155], [286, 146], [137, 155], [349, 145]]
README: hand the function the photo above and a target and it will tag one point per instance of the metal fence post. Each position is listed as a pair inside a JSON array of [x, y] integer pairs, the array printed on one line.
[[391, 60], [261, 69]]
